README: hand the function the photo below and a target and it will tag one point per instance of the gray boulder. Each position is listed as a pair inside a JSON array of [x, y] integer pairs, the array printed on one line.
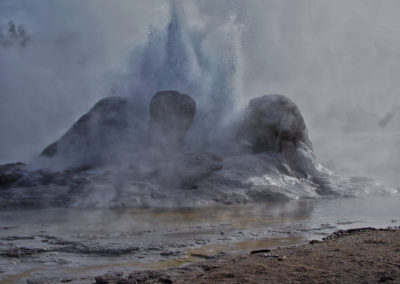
[[107, 133], [171, 115], [272, 122]]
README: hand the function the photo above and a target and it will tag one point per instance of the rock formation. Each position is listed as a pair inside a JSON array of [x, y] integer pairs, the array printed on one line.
[[272, 122], [187, 170], [108, 131], [275, 160], [171, 115]]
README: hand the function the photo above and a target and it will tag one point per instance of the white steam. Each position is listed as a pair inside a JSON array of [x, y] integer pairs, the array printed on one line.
[[204, 63]]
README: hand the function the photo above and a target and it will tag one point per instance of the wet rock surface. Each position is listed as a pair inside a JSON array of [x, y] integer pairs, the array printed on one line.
[[24, 188], [190, 180]]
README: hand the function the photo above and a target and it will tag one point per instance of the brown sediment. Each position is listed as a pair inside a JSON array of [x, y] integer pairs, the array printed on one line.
[[365, 255]]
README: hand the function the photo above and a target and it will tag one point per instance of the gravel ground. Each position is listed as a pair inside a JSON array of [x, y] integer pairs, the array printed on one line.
[[365, 255]]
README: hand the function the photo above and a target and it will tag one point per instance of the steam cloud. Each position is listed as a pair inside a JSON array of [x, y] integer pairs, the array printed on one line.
[[338, 60]]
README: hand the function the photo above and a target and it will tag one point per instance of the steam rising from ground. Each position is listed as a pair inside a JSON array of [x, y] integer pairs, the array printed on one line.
[[338, 60]]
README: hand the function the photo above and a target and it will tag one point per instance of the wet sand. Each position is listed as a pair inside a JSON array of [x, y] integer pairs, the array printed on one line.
[[364, 255]]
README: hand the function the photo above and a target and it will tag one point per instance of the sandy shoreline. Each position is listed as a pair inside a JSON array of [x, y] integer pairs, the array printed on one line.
[[365, 255]]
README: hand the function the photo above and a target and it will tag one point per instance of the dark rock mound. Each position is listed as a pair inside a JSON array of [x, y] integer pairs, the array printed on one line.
[[272, 122], [171, 115], [268, 158], [108, 130]]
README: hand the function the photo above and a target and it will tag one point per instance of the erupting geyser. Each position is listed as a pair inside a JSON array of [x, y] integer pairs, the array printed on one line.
[[159, 148], [272, 160]]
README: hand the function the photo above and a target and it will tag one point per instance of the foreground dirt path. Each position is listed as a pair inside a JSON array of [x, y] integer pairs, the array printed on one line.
[[365, 255]]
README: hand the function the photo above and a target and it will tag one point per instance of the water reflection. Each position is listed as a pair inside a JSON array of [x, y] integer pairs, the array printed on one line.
[[367, 211], [107, 220]]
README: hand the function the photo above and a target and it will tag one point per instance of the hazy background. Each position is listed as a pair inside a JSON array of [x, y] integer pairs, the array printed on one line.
[[338, 60]]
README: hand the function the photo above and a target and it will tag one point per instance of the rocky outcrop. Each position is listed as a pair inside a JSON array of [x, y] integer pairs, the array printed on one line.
[[272, 122], [114, 132], [171, 115], [187, 170], [11, 173], [274, 160], [21, 187], [107, 132]]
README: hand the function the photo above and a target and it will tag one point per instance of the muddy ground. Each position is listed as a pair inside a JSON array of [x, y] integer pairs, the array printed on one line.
[[354, 256]]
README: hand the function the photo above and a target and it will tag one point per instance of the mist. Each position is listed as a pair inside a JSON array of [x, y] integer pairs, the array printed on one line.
[[339, 61]]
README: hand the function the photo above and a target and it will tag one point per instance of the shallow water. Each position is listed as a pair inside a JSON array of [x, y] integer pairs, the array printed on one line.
[[367, 211], [167, 238]]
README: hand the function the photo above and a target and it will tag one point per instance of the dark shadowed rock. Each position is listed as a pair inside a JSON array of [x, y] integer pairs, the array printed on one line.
[[171, 115], [187, 170], [11, 173], [193, 167], [105, 134], [272, 122], [24, 188]]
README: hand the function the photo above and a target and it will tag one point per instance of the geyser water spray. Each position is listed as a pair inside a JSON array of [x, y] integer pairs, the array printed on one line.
[[204, 64]]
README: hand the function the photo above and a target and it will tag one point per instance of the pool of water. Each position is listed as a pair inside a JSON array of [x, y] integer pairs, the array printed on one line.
[[366, 211], [166, 238]]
